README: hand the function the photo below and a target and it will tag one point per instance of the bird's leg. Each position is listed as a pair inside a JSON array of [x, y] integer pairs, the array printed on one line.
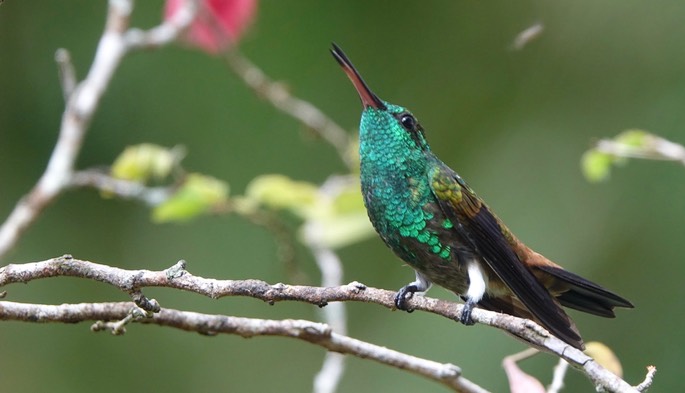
[[421, 284], [477, 286], [466, 312]]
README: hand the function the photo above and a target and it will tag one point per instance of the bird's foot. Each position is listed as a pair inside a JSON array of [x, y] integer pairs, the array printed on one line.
[[404, 294], [465, 317]]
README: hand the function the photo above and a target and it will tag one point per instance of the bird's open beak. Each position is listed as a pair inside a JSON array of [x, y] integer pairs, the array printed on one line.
[[365, 94]]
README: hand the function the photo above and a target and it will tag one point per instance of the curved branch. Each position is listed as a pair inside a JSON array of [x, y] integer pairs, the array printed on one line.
[[82, 100], [316, 333], [132, 281]]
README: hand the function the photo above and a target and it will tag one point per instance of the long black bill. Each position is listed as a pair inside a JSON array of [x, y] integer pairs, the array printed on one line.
[[365, 94]]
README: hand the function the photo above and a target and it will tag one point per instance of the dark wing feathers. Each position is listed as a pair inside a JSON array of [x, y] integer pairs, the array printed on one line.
[[585, 295], [476, 223], [498, 254]]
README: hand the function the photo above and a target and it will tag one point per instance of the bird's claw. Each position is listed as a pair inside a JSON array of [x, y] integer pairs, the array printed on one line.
[[404, 294], [465, 317]]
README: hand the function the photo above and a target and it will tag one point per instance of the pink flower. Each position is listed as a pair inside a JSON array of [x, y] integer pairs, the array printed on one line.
[[218, 24]]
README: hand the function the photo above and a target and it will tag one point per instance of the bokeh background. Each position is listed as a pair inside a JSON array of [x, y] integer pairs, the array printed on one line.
[[513, 123]]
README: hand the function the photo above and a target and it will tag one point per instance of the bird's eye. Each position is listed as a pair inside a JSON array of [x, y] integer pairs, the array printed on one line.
[[408, 121]]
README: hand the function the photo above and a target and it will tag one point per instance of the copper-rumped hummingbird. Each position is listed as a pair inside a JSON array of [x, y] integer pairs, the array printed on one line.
[[427, 215]]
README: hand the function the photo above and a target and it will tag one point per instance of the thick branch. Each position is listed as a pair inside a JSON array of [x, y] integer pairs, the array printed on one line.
[[132, 281], [316, 333]]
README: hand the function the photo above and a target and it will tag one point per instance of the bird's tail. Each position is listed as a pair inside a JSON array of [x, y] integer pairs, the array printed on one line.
[[584, 295]]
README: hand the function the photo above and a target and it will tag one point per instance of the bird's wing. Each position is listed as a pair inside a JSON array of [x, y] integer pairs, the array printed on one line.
[[489, 238]]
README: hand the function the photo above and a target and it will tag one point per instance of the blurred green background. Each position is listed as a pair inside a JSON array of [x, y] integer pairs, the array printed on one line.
[[513, 123]]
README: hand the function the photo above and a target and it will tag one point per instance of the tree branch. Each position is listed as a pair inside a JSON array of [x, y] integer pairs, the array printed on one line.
[[82, 101], [132, 281], [653, 148], [303, 111], [316, 333], [67, 73], [80, 107], [126, 189], [165, 33], [649, 379]]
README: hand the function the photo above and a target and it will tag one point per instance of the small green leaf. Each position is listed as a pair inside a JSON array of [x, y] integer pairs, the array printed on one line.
[[197, 195], [281, 192], [143, 162], [634, 138], [337, 212], [340, 219], [341, 230], [596, 165]]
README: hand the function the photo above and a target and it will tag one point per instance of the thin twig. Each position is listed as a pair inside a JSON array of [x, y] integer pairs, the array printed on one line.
[[126, 189], [527, 36], [166, 32], [131, 281], [558, 377], [649, 379], [523, 355], [653, 148], [303, 111], [67, 73]]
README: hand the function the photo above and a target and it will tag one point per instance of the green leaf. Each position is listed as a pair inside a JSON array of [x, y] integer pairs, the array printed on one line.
[[143, 162], [596, 166], [634, 138], [338, 231], [281, 192], [338, 214], [197, 195], [340, 219]]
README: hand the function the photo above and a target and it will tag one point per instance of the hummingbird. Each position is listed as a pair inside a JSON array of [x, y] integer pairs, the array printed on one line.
[[430, 218]]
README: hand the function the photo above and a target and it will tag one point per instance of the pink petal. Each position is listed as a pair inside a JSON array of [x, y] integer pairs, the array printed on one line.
[[520, 382], [218, 23]]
